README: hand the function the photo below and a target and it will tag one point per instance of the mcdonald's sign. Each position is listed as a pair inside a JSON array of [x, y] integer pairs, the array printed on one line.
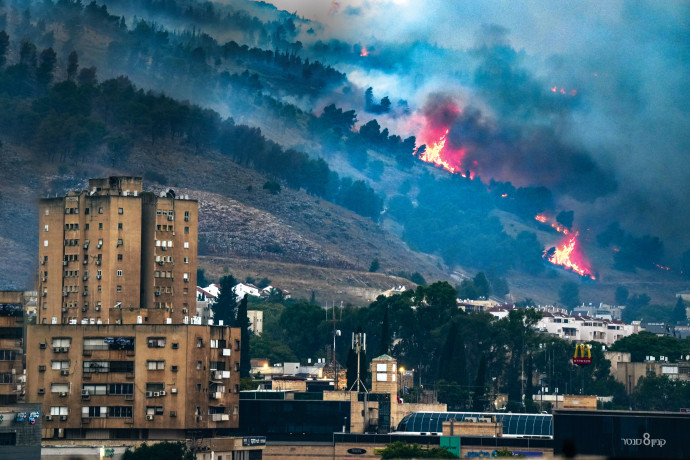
[[583, 355]]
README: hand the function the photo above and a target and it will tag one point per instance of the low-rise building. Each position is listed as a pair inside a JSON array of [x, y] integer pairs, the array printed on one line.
[[585, 329], [136, 381]]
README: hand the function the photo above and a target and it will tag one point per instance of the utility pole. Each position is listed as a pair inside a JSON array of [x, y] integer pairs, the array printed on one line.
[[336, 333]]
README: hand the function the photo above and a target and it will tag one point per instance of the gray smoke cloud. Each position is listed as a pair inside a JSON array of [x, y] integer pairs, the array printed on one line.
[[611, 140]]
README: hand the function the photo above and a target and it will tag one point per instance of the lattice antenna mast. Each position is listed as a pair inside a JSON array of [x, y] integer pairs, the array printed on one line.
[[359, 344]]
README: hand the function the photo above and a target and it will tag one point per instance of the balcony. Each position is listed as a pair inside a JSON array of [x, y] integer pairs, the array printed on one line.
[[220, 417]]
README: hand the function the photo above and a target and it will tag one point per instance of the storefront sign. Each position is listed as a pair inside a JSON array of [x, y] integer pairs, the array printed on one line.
[[583, 355], [356, 451], [254, 441], [645, 440]]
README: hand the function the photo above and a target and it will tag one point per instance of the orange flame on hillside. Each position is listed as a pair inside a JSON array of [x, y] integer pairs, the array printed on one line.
[[567, 257], [556, 226], [447, 159], [566, 254]]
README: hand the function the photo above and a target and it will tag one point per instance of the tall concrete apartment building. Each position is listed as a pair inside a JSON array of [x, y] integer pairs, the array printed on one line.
[[116, 351], [116, 247]]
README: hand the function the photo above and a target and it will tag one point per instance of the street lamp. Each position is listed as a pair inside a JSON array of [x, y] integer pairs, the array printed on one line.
[[401, 369]]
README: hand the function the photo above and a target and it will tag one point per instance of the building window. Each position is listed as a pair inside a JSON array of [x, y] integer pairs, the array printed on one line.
[[45, 243], [119, 273], [119, 257], [156, 342], [100, 210], [59, 387], [119, 225], [59, 365], [120, 411], [120, 211], [86, 211], [155, 365], [186, 260], [186, 229], [121, 389], [99, 288], [100, 225], [100, 389], [119, 288], [62, 342], [198, 387], [186, 244], [155, 387], [199, 342], [120, 242], [59, 410], [45, 228], [198, 365], [47, 212]]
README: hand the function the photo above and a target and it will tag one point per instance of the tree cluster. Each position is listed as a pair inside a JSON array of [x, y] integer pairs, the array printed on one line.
[[631, 252]]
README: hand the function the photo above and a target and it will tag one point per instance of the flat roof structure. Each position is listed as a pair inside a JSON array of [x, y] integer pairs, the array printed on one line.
[[514, 425]]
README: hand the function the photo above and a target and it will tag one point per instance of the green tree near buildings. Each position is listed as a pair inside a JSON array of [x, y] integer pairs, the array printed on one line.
[[679, 313], [225, 308], [649, 344], [242, 321]]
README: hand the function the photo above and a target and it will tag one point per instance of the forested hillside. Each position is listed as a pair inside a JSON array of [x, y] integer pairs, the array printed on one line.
[[194, 95]]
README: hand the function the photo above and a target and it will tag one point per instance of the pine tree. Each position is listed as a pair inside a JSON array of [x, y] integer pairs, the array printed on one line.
[[242, 322], [480, 387], [226, 304], [679, 313], [385, 334]]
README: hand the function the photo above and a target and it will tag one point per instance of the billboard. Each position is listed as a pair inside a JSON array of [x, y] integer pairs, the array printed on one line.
[[617, 434]]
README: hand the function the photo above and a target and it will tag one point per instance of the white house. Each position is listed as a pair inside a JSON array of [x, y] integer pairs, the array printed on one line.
[[242, 289]]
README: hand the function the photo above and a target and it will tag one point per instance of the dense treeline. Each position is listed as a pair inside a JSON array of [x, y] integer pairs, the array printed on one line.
[[466, 358], [69, 119], [631, 252]]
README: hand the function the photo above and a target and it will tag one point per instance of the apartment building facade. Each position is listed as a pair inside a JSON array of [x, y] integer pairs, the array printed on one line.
[[134, 381], [585, 329], [11, 346], [117, 351], [115, 246]]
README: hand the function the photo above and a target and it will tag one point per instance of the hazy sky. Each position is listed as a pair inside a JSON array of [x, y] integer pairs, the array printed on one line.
[[628, 61]]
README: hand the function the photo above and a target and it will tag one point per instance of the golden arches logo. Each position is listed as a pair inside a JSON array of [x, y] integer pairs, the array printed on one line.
[[583, 354]]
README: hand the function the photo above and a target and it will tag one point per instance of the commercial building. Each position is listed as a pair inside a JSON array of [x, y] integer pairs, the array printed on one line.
[[621, 434], [116, 246], [136, 381]]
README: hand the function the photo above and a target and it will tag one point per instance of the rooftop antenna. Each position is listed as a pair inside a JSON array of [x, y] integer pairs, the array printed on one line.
[[359, 344]]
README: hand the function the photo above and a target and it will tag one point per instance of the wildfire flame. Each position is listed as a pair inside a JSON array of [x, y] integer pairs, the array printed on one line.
[[433, 154], [556, 226], [566, 254], [555, 89]]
